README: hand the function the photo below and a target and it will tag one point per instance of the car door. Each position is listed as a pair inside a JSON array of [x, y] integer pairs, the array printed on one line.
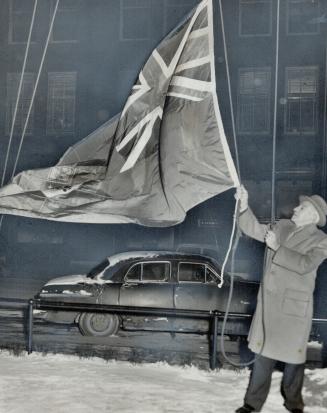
[[148, 284], [197, 288]]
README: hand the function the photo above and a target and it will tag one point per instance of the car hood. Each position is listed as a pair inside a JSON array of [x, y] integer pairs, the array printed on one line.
[[68, 279], [77, 279]]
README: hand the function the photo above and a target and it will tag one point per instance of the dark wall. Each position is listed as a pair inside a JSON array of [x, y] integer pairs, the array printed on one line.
[[96, 52]]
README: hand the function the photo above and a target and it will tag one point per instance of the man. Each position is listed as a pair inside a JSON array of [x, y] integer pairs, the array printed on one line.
[[282, 321]]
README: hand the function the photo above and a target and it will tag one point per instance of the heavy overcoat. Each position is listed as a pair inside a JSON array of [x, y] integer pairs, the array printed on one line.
[[282, 321]]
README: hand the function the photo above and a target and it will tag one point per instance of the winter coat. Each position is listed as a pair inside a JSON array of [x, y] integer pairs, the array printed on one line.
[[285, 298]]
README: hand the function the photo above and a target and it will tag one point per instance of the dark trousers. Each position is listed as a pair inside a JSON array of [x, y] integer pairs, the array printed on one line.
[[260, 380]]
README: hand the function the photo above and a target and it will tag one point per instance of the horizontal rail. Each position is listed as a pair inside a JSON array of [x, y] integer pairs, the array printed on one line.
[[120, 309], [213, 316]]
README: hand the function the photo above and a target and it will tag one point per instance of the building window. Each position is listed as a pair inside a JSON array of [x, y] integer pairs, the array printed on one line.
[[302, 17], [65, 27], [253, 108], [175, 11], [302, 99], [135, 19], [13, 80], [255, 17], [61, 103], [20, 16]]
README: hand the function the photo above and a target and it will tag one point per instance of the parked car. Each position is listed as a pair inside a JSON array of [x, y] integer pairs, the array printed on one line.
[[157, 279], [149, 279]]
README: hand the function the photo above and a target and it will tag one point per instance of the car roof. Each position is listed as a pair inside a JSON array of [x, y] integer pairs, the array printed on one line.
[[157, 255]]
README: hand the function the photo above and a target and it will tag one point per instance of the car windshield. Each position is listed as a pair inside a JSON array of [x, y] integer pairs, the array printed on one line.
[[98, 269]]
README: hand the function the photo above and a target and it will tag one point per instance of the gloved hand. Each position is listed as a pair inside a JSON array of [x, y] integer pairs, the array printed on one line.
[[243, 196]]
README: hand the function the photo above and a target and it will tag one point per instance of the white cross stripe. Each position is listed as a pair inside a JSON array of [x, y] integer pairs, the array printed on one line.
[[138, 127], [183, 96], [193, 63], [193, 84], [198, 33], [143, 140], [143, 88], [169, 70]]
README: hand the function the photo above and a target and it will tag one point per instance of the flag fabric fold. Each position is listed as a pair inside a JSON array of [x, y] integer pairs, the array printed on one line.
[[163, 154]]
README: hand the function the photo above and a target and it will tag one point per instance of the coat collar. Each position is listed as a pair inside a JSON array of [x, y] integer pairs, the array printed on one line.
[[297, 234]]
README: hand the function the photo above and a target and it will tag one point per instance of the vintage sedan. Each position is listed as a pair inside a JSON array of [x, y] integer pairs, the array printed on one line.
[[166, 280]]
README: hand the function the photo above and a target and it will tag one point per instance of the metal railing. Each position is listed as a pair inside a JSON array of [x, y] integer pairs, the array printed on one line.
[[212, 316]]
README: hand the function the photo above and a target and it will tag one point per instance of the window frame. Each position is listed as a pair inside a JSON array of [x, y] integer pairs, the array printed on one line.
[[122, 8], [141, 281], [53, 131], [288, 20], [299, 131], [8, 122], [240, 19], [251, 132], [206, 266], [52, 40], [11, 26]]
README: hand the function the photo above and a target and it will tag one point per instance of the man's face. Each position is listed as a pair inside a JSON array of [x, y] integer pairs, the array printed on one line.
[[305, 214]]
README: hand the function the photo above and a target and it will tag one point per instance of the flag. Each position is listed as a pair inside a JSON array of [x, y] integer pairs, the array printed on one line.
[[163, 154]]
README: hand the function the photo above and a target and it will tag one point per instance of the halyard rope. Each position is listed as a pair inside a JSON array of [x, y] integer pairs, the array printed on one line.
[[18, 93], [232, 246], [35, 88], [33, 95]]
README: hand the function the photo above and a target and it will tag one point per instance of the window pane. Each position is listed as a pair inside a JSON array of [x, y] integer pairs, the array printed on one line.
[[20, 20], [308, 115], [253, 110], [302, 90], [61, 103], [303, 16], [134, 273], [158, 271], [13, 80], [255, 17], [66, 21], [191, 272]]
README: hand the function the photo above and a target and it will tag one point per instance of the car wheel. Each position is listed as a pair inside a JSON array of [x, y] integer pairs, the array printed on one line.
[[98, 324]]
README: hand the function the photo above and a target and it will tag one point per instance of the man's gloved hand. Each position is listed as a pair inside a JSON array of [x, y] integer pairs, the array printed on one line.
[[271, 240], [242, 196]]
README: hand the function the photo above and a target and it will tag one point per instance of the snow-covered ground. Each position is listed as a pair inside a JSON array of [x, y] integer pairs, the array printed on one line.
[[60, 384]]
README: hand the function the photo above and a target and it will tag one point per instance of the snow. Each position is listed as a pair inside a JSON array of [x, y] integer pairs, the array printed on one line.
[[68, 384]]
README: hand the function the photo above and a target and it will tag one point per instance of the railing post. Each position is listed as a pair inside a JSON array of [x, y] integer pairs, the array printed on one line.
[[30, 326], [214, 329]]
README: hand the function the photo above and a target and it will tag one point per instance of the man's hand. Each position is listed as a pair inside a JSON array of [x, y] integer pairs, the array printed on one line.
[[271, 240], [242, 196]]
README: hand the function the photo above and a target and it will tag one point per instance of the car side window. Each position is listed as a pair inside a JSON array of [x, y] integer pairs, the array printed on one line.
[[191, 272], [148, 272], [134, 273], [155, 271]]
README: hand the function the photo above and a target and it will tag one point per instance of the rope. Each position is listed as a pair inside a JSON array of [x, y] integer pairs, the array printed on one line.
[[33, 95], [35, 88], [19, 92], [273, 213], [273, 174], [230, 246]]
